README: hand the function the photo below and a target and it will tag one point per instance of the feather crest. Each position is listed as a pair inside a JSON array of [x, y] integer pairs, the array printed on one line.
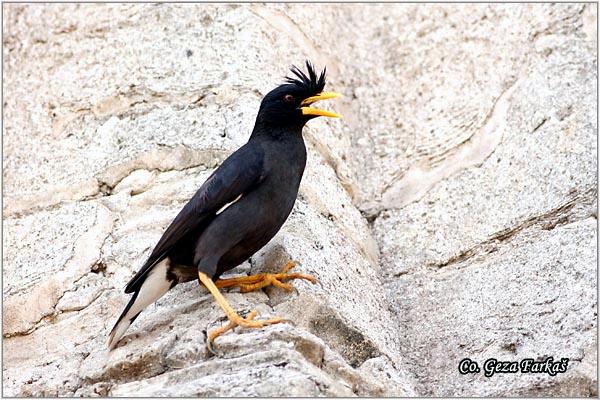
[[308, 82]]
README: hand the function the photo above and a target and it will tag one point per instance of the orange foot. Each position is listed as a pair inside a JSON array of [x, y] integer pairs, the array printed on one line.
[[248, 284], [259, 281], [236, 320]]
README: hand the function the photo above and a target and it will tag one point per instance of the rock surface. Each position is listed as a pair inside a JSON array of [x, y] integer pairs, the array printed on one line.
[[450, 214]]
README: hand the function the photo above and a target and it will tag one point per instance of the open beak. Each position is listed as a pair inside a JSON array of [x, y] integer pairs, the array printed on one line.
[[315, 111]]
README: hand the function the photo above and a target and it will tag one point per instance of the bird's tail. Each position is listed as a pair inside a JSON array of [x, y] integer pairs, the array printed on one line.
[[155, 285]]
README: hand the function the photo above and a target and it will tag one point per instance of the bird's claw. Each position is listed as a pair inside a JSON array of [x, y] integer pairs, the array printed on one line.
[[278, 280], [210, 337], [236, 320], [249, 284]]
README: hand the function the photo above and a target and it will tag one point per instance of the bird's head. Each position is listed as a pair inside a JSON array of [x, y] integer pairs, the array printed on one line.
[[290, 104]]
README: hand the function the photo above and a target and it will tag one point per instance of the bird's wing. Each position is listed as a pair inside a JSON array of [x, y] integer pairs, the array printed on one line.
[[237, 175]]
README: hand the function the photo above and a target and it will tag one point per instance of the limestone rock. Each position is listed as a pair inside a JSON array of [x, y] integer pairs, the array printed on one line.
[[450, 214]]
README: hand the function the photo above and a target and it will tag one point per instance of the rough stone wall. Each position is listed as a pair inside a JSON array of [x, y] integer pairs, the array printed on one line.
[[450, 214]]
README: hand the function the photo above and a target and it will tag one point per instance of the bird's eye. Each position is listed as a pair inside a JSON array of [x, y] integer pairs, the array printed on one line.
[[288, 98]]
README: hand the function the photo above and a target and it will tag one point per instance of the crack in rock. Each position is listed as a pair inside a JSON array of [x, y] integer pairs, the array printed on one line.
[[558, 216], [24, 313], [163, 159], [160, 159]]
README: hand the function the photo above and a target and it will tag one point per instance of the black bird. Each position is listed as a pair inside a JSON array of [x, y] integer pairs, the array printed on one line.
[[239, 208]]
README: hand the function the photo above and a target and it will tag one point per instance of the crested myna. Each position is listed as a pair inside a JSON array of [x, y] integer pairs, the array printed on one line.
[[239, 208]]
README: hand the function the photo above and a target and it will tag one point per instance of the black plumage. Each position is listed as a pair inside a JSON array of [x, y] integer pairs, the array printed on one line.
[[241, 206]]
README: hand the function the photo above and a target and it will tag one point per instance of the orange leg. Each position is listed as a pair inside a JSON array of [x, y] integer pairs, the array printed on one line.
[[259, 281], [234, 318], [248, 284]]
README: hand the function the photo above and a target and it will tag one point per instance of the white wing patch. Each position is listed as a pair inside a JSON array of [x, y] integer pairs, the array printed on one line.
[[228, 204]]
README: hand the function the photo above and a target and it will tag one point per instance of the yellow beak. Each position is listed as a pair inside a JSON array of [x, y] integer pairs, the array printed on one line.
[[315, 111]]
